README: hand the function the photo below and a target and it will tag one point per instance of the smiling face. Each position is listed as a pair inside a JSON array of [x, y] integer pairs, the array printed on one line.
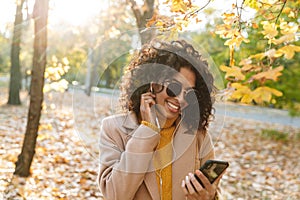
[[170, 107]]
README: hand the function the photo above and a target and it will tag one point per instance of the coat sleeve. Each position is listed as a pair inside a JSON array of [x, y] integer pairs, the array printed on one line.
[[123, 166], [207, 152]]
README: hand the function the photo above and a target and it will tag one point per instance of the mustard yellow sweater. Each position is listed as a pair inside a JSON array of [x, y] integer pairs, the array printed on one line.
[[163, 161]]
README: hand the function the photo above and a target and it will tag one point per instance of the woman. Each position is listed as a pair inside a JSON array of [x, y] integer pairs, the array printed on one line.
[[154, 150]]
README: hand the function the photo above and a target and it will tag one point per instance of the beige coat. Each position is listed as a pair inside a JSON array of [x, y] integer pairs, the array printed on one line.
[[126, 150]]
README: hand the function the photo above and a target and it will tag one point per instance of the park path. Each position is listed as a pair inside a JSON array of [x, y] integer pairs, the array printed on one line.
[[258, 113], [262, 114]]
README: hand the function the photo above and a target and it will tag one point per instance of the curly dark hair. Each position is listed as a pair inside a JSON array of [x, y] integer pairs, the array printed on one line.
[[148, 66]]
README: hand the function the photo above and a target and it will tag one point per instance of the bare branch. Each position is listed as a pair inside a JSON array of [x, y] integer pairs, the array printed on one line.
[[196, 11], [135, 11], [284, 3]]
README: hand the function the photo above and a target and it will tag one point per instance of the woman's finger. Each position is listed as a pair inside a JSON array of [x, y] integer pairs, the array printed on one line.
[[194, 181], [203, 179]]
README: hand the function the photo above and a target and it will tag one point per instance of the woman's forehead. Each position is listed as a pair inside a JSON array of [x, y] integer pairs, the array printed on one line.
[[186, 76]]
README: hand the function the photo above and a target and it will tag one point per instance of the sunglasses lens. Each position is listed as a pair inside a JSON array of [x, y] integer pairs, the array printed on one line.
[[191, 96], [156, 88], [174, 89]]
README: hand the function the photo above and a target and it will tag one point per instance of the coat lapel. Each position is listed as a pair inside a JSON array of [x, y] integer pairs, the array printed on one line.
[[151, 184], [184, 159]]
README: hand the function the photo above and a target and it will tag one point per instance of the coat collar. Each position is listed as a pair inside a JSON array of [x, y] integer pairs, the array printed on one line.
[[130, 121]]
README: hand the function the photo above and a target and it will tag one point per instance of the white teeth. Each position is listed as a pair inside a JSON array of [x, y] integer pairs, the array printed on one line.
[[173, 106]]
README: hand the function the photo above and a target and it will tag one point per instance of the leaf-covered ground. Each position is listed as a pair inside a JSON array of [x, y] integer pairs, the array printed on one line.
[[65, 164]]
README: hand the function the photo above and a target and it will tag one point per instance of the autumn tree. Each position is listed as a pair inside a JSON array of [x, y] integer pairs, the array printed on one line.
[[40, 16], [143, 13], [248, 75], [277, 25], [15, 71]]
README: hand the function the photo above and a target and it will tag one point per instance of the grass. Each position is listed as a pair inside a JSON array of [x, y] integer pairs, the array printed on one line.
[[279, 135], [275, 135]]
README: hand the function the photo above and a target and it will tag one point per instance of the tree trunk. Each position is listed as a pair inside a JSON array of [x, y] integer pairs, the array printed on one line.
[[142, 15], [89, 73], [40, 15], [15, 72]]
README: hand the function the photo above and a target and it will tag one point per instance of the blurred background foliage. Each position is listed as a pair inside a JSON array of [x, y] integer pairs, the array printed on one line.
[[77, 42]]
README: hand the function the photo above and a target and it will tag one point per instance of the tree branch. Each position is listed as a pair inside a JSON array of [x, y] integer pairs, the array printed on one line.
[[196, 11], [284, 3], [135, 11]]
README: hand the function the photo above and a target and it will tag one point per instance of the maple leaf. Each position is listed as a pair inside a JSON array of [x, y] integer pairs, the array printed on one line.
[[284, 39], [248, 65], [272, 74], [229, 18], [241, 92], [264, 94], [233, 72], [288, 51], [236, 41], [253, 4], [270, 29], [258, 56], [288, 28], [271, 54], [224, 30], [178, 6]]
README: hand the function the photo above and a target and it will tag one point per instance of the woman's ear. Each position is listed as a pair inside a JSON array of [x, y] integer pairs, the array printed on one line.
[[151, 88]]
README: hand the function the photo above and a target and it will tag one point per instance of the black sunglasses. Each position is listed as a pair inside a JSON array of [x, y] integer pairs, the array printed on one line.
[[174, 89]]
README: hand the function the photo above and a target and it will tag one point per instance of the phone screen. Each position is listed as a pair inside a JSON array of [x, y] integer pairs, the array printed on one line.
[[212, 169]]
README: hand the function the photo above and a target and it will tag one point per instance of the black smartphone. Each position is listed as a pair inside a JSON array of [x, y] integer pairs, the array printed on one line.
[[212, 169]]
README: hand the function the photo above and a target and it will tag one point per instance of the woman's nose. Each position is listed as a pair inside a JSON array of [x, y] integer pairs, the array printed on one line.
[[181, 96]]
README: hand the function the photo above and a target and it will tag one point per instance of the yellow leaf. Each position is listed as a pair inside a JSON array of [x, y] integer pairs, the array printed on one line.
[[226, 31], [258, 56], [253, 4], [241, 92], [234, 41], [233, 72], [247, 98], [264, 94], [286, 10], [229, 18], [178, 6], [288, 51], [272, 74], [292, 14], [284, 39], [246, 61], [288, 28], [270, 29]]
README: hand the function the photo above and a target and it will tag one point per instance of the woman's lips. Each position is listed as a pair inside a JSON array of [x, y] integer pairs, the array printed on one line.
[[173, 107]]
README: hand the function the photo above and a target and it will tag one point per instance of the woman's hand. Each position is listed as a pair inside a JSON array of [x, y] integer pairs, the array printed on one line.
[[196, 191], [147, 114]]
